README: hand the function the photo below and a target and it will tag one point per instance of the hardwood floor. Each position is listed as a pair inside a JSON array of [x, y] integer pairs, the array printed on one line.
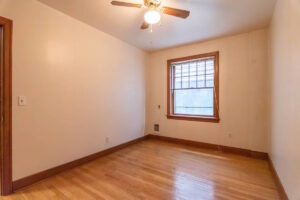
[[155, 169]]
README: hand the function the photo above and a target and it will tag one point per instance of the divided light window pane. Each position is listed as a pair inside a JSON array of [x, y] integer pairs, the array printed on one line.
[[194, 87]]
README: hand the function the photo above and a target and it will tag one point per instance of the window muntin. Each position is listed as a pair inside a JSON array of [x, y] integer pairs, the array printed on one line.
[[193, 87]]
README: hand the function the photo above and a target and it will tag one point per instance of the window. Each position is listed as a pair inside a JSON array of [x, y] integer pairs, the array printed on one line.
[[193, 88]]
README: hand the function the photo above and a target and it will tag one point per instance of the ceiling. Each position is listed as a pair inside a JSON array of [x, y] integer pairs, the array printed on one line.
[[208, 19]]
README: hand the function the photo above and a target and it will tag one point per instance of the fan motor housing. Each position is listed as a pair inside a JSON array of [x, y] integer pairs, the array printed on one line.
[[152, 3]]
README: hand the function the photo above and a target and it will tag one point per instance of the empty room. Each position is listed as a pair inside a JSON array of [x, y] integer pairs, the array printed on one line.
[[150, 99]]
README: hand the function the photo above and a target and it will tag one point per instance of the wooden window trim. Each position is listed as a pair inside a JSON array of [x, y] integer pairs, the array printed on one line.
[[170, 96]]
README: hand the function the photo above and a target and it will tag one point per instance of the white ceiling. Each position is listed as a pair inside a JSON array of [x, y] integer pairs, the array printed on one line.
[[208, 19]]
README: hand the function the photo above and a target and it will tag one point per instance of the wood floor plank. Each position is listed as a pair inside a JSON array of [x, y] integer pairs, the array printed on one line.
[[155, 170]]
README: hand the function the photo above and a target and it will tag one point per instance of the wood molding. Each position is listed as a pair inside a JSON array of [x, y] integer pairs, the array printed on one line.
[[29, 180], [280, 188], [170, 95], [234, 150], [194, 118], [6, 134]]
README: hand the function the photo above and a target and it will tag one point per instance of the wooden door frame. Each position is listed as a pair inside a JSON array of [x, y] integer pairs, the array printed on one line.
[[6, 136]]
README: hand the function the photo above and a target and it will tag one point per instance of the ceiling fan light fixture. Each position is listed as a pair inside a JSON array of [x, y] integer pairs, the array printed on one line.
[[152, 16]]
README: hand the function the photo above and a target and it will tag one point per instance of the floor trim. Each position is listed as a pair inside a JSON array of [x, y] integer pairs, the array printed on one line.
[[280, 188], [29, 180], [234, 150]]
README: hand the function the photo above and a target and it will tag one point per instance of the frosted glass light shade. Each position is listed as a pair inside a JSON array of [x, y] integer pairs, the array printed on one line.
[[152, 17]]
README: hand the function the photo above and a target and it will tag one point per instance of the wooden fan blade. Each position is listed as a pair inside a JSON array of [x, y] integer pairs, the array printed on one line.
[[120, 3], [144, 25], [176, 12]]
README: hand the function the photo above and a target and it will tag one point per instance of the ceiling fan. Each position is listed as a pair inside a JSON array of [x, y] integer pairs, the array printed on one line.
[[153, 14]]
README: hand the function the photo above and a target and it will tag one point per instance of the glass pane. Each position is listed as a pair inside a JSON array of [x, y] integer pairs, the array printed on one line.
[[178, 83], [201, 81], [209, 67], [210, 80], [185, 70], [193, 82], [210, 64], [185, 82], [194, 102], [193, 69], [177, 70], [201, 67]]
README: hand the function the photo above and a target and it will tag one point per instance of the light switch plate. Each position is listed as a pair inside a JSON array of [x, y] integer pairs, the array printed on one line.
[[22, 100]]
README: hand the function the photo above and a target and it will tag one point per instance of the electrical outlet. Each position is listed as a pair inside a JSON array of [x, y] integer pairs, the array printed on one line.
[[22, 101]]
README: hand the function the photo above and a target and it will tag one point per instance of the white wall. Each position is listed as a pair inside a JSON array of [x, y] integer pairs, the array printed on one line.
[[285, 95], [243, 70], [81, 86]]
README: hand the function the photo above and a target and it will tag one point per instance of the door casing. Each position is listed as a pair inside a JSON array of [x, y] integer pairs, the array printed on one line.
[[6, 118]]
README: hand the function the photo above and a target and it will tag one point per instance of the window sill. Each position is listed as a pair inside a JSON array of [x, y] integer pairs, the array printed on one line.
[[194, 118]]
